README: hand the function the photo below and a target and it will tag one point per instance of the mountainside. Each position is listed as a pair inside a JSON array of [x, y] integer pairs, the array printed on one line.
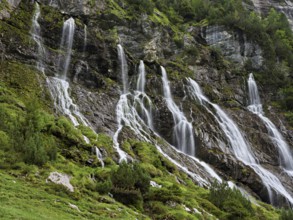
[[146, 109]]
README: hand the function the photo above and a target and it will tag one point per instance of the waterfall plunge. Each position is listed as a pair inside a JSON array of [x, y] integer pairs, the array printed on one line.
[[59, 87], [36, 35], [182, 131], [141, 100], [66, 46], [123, 67], [127, 115], [240, 148], [255, 106]]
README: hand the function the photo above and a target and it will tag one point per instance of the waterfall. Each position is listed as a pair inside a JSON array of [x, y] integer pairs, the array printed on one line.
[[182, 131], [62, 101], [240, 147], [141, 77], [123, 67], [36, 36], [255, 106], [59, 87], [128, 115], [99, 156], [142, 102], [122, 107], [66, 45]]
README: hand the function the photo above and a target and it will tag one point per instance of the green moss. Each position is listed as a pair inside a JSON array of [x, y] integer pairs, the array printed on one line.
[[114, 9], [52, 17], [159, 18], [22, 80]]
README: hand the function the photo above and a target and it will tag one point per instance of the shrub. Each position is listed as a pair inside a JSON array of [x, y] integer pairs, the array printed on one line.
[[4, 140], [29, 139], [287, 98], [104, 187], [230, 200], [286, 214], [130, 181], [131, 176]]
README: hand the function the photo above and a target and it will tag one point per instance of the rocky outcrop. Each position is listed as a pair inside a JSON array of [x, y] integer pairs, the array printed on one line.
[[62, 179], [233, 45]]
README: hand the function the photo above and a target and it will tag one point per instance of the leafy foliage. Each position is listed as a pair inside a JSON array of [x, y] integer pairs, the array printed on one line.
[[286, 214], [231, 201], [130, 182]]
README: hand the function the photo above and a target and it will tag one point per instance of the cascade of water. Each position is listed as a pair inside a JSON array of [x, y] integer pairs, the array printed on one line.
[[36, 35], [59, 91], [127, 115], [240, 148], [255, 106], [141, 77], [66, 45], [141, 100], [100, 156], [182, 131], [59, 87], [123, 67], [122, 107]]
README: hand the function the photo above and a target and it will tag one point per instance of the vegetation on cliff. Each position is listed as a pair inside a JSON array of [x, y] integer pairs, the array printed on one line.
[[35, 141]]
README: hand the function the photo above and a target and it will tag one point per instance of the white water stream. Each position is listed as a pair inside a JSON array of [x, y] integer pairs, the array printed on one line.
[[182, 131], [255, 106], [66, 47], [36, 36], [239, 146]]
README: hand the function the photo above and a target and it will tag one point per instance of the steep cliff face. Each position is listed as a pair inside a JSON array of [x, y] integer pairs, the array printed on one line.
[[234, 46], [95, 86]]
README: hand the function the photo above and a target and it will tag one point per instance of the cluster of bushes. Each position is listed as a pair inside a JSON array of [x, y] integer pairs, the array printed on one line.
[[23, 134], [128, 184], [286, 214], [231, 201]]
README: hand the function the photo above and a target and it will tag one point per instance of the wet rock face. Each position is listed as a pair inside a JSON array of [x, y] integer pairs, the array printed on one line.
[[234, 45]]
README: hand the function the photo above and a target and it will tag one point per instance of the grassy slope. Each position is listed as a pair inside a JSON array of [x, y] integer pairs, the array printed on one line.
[[22, 199]]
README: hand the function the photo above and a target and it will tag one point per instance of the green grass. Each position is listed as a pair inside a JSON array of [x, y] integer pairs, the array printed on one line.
[[24, 200]]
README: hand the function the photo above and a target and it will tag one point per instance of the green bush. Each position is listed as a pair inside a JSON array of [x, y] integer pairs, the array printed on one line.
[[4, 141], [104, 187], [131, 176], [164, 194], [287, 98], [230, 201], [130, 182], [29, 139], [286, 214]]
